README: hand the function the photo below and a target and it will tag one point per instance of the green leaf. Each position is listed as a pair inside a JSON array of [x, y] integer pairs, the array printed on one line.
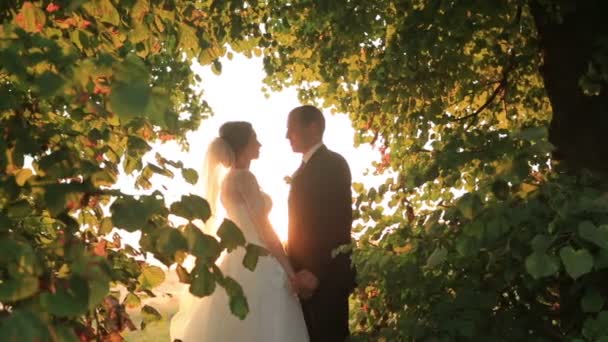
[[532, 133], [437, 258], [576, 262], [358, 187], [601, 260], [201, 245], [190, 175], [254, 252], [22, 269], [593, 301], [23, 325], [238, 303], [131, 301], [149, 315], [99, 287], [103, 178], [239, 306], [596, 235], [191, 207], [169, 241], [105, 226], [12, 290], [131, 214], [216, 67], [71, 298], [159, 170], [539, 265], [19, 210], [501, 189], [541, 242], [151, 277], [469, 205], [130, 100], [596, 329], [158, 105], [230, 235], [202, 280], [131, 90], [49, 84], [64, 334]]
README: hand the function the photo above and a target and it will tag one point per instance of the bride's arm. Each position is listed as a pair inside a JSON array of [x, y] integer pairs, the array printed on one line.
[[275, 247], [251, 195]]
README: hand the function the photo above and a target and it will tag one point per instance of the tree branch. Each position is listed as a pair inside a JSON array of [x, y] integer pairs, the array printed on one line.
[[501, 86], [495, 93]]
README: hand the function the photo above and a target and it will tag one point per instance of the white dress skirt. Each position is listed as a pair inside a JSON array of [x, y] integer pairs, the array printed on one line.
[[275, 314]]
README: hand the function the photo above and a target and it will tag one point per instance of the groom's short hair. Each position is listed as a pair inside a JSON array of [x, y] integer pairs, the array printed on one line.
[[307, 114]]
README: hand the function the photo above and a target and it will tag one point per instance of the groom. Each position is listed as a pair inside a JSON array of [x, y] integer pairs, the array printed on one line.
[[320, 219]]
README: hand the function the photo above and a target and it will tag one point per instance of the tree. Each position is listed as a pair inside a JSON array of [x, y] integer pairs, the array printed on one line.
[[481, 98], [504, 101], [85, 87]]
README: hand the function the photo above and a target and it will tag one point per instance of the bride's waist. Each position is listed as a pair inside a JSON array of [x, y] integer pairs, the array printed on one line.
[[251, 236], [247, 227]]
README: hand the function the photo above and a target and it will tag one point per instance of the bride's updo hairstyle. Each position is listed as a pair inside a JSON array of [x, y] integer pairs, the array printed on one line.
[[232, 140], [237, 134]]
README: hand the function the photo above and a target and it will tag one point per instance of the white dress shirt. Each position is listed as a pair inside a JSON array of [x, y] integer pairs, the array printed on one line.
[[306, 157]]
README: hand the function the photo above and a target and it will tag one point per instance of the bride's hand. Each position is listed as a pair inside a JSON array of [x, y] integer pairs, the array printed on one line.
[[304, 283], [292, 284]]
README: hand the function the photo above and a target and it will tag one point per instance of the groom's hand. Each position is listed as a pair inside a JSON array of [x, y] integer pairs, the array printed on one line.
[[305, 282]]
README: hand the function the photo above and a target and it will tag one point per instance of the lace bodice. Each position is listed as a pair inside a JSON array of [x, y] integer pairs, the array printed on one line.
[[244, 202]]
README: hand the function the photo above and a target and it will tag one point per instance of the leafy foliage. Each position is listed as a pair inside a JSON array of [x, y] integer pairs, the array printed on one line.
[[86, 86], [478, 232]]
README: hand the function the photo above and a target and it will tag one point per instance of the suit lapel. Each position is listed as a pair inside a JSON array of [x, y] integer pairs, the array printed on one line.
[[308, 165], [298, 171]]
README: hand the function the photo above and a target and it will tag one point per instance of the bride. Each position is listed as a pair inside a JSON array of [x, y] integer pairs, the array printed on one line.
[[275, 313]]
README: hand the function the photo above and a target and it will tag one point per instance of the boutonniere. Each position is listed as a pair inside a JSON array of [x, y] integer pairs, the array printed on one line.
[[288, 179]]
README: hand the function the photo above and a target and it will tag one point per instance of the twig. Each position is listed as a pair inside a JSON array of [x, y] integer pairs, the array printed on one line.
[[375, 138], [98, 332]]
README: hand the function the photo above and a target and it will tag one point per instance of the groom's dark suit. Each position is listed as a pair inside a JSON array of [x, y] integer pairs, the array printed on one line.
[[320, 220]]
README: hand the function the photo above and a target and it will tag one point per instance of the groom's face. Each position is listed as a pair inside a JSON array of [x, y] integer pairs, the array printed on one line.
[[298, 134]]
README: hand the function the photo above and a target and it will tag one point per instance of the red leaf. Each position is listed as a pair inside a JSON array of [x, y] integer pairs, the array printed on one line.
[[52, 7], [166, 137], [100, 248]]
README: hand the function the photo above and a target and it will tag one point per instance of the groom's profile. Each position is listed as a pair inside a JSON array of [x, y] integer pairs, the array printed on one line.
[[320, 220]]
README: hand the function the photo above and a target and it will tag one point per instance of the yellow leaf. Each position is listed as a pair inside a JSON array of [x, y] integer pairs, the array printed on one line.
[[404, 249], [22, 176], [140, 9], [30, 18], [104, 10]]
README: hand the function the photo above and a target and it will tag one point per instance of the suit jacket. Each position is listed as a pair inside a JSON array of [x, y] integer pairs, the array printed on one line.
[[320, 219]]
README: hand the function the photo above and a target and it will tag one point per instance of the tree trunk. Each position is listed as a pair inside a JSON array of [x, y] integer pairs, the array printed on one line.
[[579, 127]]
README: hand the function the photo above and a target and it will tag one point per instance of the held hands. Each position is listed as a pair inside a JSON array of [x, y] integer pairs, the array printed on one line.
[[304, 283]]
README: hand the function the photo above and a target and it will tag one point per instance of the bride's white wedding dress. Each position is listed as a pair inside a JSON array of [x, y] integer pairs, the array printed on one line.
[[275, 314]]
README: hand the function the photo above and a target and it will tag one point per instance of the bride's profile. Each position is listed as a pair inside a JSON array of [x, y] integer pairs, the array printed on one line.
[[275, 313]]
